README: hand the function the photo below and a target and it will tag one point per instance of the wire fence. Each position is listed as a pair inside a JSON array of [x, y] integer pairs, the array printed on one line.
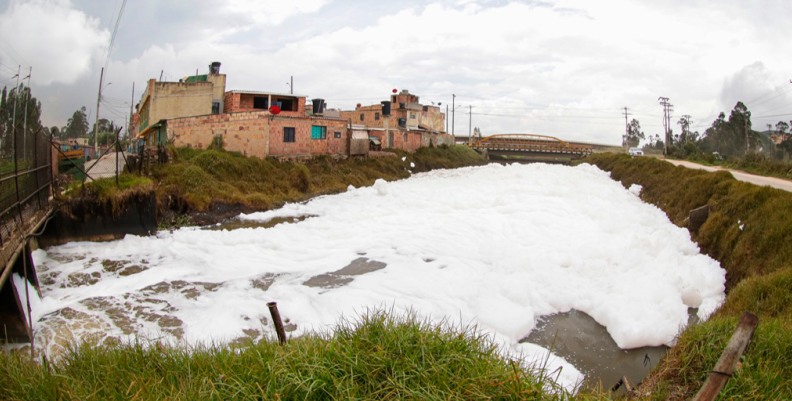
[[26, 175]]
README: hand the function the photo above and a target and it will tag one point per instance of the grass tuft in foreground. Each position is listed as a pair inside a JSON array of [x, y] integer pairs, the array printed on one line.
[[378, 356]]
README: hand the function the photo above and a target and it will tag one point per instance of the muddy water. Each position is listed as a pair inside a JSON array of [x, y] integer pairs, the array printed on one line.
[[579, 339], [235, 224]]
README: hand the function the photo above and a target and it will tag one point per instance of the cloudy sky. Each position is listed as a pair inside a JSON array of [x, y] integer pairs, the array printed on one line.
[[559, 67]]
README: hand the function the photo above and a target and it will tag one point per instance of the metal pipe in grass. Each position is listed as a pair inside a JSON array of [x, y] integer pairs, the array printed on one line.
[[273, 307]]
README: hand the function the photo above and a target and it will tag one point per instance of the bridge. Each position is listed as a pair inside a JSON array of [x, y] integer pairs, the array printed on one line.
[[530, 146]]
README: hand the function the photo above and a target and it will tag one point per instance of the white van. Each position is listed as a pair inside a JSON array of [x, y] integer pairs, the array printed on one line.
[[635, 152]]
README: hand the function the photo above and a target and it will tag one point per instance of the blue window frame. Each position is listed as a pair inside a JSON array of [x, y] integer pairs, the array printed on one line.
[[318, 132]]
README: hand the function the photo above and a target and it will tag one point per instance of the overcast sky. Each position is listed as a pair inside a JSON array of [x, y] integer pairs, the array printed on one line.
[[559, 67]]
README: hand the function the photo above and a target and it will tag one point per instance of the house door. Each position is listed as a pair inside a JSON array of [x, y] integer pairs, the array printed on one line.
[[390, 140]]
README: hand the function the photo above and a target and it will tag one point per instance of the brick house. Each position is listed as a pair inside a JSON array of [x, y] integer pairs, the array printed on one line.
[[402, 122], [195, 112]]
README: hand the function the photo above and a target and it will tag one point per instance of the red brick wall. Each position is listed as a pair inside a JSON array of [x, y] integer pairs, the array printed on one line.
[[246, 133], [260, 134], [240, 102], [301, 147]]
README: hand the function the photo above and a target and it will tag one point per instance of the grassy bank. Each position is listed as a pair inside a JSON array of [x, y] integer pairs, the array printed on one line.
[[197, 181], [377, 357], [749, 231]]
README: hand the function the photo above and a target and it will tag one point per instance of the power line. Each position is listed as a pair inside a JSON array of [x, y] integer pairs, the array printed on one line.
[[15, 52], [115, 31]]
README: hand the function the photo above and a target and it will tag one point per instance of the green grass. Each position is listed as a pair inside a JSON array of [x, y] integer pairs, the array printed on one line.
[[749, 231], [378, 356]]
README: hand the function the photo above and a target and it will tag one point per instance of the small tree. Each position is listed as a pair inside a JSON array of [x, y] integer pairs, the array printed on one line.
[[634, 134], [77, 127]]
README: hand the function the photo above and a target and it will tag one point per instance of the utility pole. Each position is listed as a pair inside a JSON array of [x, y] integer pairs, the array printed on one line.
[[453, 114], [666, 118], [470, 125], [96, 123], [626, 127], [291, 85], [24, 124], [13, 116], [131, 113]]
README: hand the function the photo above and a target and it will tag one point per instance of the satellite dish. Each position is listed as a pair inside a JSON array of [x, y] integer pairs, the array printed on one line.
[[395, 90], [275, 110]]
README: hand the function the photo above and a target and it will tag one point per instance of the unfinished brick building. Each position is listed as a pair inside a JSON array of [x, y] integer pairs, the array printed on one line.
[[195, 112], [402, 122]]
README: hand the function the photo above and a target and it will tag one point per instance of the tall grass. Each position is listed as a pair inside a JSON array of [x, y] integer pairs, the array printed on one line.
[[377, 356]]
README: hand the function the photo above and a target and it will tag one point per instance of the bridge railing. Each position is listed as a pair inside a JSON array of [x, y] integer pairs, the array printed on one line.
[[530, 142]]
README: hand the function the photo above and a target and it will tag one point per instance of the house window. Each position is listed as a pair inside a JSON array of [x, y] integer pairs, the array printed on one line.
[[405, 138], [376, 116], [318, 132], [362, 116], [215, 107], [260, 103], [412, 115], [337, 134], [288, 134]]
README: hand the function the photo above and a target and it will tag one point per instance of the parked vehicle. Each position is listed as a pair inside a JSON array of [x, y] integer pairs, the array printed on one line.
[[635, 152], [375, 143]]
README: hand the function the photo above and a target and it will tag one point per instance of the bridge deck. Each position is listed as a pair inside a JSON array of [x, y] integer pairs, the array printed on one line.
[[531, 144]]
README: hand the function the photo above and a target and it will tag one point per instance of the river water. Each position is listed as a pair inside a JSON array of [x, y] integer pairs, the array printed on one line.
[[499, 247]]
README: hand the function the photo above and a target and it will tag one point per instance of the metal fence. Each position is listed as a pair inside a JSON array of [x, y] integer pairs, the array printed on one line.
[[26, 175]]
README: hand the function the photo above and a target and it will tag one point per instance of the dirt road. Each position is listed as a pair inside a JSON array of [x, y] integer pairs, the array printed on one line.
[[779, 183]]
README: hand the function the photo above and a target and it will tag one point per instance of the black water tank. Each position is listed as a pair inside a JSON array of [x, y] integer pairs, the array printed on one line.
[[386, 108], [214, 68], [403, 122], [318, 106]]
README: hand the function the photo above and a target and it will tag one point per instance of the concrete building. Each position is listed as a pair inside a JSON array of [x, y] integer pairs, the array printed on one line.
[[192, 96]]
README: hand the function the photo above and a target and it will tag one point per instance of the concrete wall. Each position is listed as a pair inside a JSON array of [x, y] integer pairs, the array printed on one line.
[[166, 100]]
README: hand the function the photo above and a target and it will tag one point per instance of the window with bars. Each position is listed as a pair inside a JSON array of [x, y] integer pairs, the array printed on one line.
[[288, 134]]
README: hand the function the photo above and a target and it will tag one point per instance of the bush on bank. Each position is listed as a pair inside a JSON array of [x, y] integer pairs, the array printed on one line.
[[749, 231], [196, 180]]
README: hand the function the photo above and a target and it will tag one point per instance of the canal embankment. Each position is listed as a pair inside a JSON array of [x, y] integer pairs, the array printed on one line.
[[749, 230]]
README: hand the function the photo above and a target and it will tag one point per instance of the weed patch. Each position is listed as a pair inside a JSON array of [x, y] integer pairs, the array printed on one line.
[[377, 356]]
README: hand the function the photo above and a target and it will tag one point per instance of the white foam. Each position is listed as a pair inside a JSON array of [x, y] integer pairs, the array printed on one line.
[[495, 245]]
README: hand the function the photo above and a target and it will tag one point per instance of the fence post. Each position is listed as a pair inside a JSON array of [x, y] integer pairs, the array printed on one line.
[[728, 360], [16, 175], [36, 164], [276, 319]]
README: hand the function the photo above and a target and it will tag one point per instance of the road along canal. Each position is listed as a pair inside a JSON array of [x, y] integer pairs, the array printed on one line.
[[501, 247]]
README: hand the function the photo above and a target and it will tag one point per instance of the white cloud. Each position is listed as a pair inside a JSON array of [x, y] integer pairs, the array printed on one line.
[[270, 12], [57, 40], [562, 67]]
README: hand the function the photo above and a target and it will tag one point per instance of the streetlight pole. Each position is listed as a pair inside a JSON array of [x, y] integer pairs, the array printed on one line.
[[96, 122]]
